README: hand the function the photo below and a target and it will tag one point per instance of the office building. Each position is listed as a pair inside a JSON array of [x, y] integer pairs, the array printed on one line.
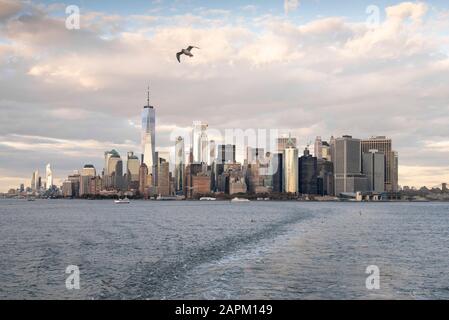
[[148, 135], [290, 167], [308, 174], [179, 164], [49, 175], [373, 166], [226, 154], [384, 145], [348, 176]]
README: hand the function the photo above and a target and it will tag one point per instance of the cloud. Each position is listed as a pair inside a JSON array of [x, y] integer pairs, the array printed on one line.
[[9, 8]]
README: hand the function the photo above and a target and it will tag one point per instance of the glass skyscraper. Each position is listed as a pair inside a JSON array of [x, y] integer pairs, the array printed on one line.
[[149, 135]]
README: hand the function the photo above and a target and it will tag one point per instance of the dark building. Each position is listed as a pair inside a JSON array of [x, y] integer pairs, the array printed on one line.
[[325, 170], [307, 167], [277, 165], [226, 153]]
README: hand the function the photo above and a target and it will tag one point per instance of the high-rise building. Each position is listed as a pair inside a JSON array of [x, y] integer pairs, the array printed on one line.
[[254, 155], [179, 164], [132, 171], [348, 176], [163, 187], [149, 135], [282, 143], [143, 173], [384, 145], [88, 171], [226, 153], [308, 174], [49, 174], [200, 142], [373, 166], [318, 148], [35, 181], [276, 167], [325, 178], [212, 151], [326, 151], [290, 167]]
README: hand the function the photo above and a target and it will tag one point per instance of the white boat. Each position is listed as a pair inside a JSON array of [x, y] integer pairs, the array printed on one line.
[[208, 199], [122, 201], [239, 200]]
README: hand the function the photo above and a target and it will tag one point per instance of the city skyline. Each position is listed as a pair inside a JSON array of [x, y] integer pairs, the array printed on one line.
[[68, 106]]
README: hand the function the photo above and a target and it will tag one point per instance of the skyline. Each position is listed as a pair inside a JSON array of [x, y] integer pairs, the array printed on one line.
[[68, 96]]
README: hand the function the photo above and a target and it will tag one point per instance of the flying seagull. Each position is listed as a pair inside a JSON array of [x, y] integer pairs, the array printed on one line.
[[186, 52]]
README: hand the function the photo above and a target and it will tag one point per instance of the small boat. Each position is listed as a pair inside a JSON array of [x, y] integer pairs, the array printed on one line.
[[208, 199], [122, 201], [239, 200], [31, 199]]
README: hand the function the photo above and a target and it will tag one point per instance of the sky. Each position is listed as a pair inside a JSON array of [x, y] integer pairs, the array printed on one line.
[[309, 67]]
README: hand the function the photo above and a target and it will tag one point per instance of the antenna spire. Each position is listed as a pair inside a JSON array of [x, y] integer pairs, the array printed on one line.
[[148, 96]]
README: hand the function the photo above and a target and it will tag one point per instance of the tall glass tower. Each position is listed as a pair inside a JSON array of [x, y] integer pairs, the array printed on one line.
[[149, 135]]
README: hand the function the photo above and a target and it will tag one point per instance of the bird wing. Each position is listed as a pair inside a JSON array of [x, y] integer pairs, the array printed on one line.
[[178, 56], [191, 47]]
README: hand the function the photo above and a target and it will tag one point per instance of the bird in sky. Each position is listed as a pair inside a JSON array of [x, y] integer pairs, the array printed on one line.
[[186, 52]]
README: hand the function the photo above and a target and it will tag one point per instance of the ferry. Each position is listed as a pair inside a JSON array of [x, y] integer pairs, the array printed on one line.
[[122, 201], [239, 200], [208, 199]]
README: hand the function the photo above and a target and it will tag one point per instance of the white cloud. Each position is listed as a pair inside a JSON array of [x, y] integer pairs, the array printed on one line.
[[290, 5]]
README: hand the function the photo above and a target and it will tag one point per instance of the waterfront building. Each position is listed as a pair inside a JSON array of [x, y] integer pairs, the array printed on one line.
[[290, 167], [276, 167], [163, 186], [373, 166], [143, 173], [384, 145], [132, 171], [308, 176], [148, 135], [325, 179], [49, 175], [348, 177], [200, 142], [179, 164]]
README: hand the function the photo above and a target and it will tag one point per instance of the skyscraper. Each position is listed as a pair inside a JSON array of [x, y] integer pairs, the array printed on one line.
[[282, 143], [290, 166], [132, 171], [200, 142], [226, 153], [254, 155], [373, 166], [308, 174], [49, 175], [149, 135], [212, 151], [348, 166], [35, 181], [179, 164], [384, 145], [318, 148]]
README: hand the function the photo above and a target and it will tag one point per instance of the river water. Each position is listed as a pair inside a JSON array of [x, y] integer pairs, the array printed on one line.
[[223, 250]]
